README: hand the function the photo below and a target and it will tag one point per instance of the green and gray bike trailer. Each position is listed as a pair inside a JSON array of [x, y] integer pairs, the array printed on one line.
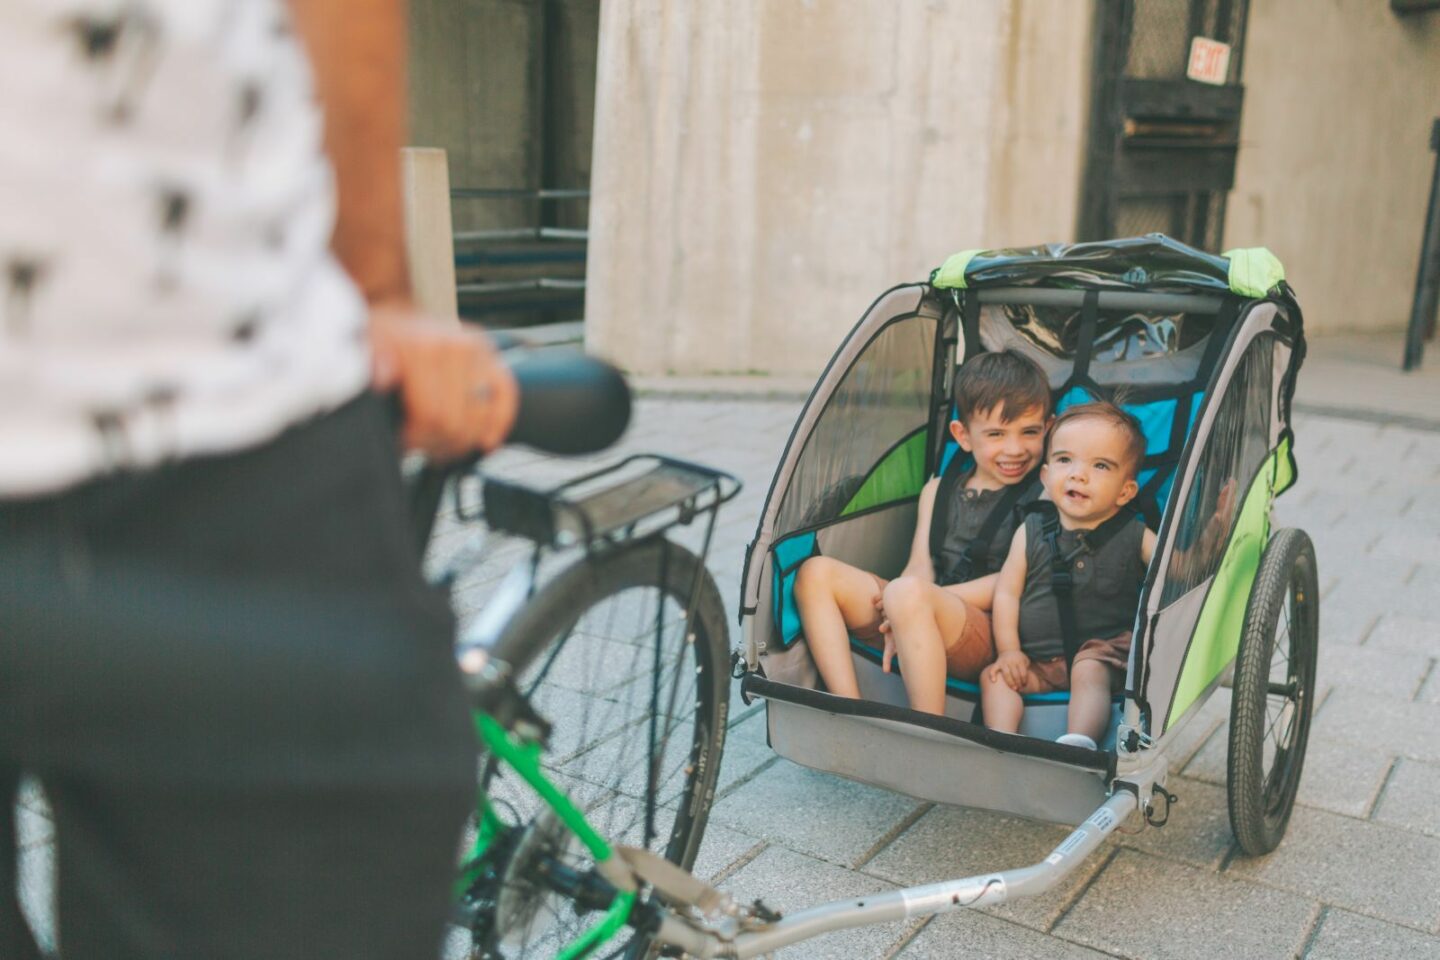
[[1204, 350]]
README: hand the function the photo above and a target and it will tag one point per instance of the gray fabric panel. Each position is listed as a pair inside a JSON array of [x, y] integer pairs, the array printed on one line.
[[760, 628], [997, 333], [1043, 721], [1161, 686], [899, 301], [1172, 636], [933, 766], [878, 541], [1257, 321]]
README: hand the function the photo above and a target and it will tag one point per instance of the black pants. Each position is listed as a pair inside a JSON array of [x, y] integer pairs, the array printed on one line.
[[241, 701]]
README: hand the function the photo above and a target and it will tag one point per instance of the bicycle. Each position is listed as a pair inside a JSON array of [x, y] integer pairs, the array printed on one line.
[[539, 876]]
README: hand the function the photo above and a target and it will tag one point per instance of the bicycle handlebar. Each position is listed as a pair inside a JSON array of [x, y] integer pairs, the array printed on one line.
[[569, 404]]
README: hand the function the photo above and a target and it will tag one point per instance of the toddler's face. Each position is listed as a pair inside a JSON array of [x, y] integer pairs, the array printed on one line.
[[1004, 451], [1087, 473]]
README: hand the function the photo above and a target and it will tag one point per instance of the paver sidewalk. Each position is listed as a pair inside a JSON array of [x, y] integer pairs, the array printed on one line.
[[1357, 876]]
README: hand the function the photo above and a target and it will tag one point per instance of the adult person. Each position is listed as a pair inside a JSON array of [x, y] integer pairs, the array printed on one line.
[[216, 652]]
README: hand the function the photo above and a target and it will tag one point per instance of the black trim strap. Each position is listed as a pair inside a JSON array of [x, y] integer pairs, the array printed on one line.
[[752, 685]]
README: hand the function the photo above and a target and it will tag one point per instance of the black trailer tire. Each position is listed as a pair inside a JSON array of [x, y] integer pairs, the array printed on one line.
[[1274, 691]]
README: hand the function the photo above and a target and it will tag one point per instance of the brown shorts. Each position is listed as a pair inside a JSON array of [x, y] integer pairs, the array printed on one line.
[[1052, 674], [965, 655], [973, 650]]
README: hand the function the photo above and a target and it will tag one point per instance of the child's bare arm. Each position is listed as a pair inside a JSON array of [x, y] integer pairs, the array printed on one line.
[[979, 593], [1010, 662], [1147, 545], [919, 564]]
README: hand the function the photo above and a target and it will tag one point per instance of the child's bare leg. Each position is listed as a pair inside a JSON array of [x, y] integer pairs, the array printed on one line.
[[921, 616], [834, 598], [1002, 706], [1089, 698]]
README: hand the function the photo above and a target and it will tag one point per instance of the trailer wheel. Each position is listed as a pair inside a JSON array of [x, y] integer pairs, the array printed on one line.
[[1274, 690]]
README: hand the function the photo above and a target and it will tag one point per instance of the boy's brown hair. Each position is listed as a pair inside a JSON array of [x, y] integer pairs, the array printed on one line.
[[1003, 380], [1114, 415]]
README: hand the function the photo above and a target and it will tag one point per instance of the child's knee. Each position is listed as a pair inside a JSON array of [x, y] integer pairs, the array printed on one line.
[[905, 595], [814, 575]]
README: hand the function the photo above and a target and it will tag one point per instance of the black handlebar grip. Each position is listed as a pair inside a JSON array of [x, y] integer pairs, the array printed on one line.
[[569, 404]]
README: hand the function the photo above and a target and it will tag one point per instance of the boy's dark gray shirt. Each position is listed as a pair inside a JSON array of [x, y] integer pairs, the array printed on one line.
[[1107, 588], [969, 509]]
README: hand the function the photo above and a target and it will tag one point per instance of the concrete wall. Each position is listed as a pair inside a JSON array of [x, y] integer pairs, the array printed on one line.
[[1334, 166], [764, 168]]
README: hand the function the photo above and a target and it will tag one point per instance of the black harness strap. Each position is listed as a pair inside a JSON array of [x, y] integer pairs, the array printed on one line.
[[970, 323], [1085, 341], [976, 555], [1062, 578]]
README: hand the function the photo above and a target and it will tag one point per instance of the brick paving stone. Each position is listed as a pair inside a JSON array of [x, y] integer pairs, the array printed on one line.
[[1412, 797], [1390, 670], [1406, 546], [1198, 831], [1363, 719], [35, 875], [1339, 777], [814, 813], [949, 842], [721, 849], [1367, 867], [1418, 636], [1430, 692], [972, 935], [32, 827], [1349, 936], [1145, 907], [790, 881]]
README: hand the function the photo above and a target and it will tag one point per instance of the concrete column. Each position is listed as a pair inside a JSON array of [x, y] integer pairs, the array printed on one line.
[[1334, 166], [429, 238], [764, 168]]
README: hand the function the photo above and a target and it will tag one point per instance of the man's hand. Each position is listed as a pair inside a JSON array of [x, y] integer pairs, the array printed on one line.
[[1013, 667], [458, 397]]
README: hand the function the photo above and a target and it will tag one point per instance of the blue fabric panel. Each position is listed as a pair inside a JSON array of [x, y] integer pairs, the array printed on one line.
[[789, 554], [1073, 397], [1155, 419]]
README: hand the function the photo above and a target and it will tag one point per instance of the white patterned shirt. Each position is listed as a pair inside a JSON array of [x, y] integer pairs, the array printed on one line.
[[166, 284]]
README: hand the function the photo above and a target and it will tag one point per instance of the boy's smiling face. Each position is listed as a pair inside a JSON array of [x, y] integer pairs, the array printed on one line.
[[1088, 472], [1005, 451]]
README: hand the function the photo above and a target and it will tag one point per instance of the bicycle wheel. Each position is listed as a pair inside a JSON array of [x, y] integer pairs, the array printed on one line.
[[637, 695], [1273, 693]]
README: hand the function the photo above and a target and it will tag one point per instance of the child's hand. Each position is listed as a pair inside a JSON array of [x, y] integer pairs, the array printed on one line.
[[889, 653], [1013, 667]]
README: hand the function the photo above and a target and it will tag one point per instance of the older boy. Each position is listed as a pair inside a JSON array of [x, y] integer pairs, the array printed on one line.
[[1089, 474], [935, 614]]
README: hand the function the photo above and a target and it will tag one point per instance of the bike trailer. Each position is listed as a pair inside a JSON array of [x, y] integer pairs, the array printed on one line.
[[1206, 349]]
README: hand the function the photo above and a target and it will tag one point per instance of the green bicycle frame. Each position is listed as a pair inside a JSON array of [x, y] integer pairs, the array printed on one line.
[[524, 759]]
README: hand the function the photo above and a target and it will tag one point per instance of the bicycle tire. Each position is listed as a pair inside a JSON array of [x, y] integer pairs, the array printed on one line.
[[681, 782], [1282, 616]]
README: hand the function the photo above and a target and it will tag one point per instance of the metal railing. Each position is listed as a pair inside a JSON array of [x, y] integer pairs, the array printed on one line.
[[496, 254]]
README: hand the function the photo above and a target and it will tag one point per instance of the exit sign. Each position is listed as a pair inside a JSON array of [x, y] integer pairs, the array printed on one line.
[[1209, 61]]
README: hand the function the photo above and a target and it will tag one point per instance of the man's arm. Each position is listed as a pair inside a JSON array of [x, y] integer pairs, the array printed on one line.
[[458, 396]]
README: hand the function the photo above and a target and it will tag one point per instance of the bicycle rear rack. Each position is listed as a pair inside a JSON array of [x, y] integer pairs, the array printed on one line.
[[642, 495]]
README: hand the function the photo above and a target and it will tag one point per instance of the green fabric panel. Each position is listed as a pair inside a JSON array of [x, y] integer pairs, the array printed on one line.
[[951, 273], [1285, 467], [1254, 271], [901, 474], [1217, 632]]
